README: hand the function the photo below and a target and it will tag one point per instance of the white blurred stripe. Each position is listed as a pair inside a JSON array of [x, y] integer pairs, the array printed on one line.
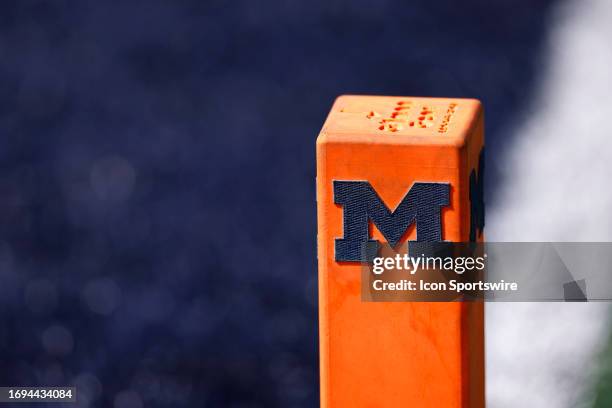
[[558, 187]]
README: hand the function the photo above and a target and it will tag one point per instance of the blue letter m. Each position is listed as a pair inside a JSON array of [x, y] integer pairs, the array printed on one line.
[[361, 204]]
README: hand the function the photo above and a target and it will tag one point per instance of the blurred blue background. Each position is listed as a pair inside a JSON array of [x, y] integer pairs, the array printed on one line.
[[157, 209]]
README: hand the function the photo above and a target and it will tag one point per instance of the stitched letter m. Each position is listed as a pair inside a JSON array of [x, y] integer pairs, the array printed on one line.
[[421, 205]]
